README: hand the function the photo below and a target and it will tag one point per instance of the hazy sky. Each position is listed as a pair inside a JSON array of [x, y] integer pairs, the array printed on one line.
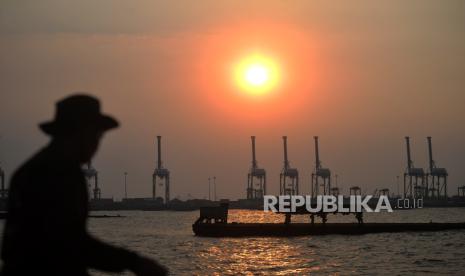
[[359, 74]]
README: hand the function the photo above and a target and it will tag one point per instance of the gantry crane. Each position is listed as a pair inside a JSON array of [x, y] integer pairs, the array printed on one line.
[[320, 173], [289, 177], [91, 174], [256, 178], [162, 175], [415, 185], [436, 188]]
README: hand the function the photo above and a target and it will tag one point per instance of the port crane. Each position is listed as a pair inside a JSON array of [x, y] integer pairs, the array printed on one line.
[[320, 173], [161, 176], [91, 174], [256, 178], [437, 188], [414, 178], [289, 177]]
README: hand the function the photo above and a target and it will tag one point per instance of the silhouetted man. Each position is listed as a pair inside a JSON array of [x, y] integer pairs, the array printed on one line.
[[45, 232]]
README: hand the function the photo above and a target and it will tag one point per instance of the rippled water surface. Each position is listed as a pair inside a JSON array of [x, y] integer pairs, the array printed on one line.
[[167, 236]]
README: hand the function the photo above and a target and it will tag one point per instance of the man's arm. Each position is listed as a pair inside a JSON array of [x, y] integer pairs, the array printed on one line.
[[103, 256], [70, 215]]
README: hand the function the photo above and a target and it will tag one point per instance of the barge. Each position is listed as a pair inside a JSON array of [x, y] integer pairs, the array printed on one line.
[[303, 229], [213, 222]]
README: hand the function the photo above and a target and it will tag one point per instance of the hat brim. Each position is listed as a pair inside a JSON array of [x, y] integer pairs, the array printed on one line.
[[103, 123]]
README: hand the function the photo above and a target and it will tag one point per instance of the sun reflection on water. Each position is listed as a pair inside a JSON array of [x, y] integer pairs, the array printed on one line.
[[260, 256]]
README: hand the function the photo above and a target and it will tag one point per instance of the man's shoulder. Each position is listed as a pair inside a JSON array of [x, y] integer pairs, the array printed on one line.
[[40, 165]]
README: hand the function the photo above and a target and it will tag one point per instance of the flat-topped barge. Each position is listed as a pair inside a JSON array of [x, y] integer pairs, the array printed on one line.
[[213, 223]]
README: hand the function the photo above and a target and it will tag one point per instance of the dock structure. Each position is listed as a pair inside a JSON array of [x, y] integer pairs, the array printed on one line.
[[289, 177], [321, 177], [161, 176], [305, 229], [436, 181], [3, 189], [256, 178], [414, 178], [91, 175], [213, 222]]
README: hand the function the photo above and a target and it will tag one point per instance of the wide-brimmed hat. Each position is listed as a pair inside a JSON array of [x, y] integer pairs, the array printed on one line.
[[77, 112]]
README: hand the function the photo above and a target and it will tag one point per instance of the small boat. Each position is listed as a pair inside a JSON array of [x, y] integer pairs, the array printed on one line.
[[213, 222]]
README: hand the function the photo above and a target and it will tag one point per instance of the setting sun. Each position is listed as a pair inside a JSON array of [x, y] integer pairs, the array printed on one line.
[[256, 74]]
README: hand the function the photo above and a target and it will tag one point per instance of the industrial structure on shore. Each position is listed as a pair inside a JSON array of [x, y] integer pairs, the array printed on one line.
[[91, 175], [414, 178], [323, 174], [256, 178], [430, 184], [438, 177], [289, 177], [418, 184], [161, 176]]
